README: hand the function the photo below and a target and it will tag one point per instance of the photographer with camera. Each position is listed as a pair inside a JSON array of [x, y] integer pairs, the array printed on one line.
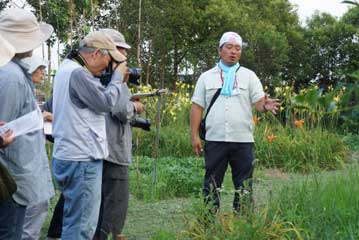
[[80, 104], [115, 177]]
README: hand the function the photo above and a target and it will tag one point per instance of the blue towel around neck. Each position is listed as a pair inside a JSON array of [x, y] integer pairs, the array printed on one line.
[[229, 77]]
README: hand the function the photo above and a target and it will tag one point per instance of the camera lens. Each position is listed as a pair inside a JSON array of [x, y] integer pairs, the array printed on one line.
[[135, 74]]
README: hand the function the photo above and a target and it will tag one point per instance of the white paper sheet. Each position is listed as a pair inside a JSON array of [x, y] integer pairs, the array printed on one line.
[[48, 128], [28, 123]]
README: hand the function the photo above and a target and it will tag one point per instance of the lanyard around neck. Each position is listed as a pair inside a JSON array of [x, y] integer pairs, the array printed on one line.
[[235, 82]]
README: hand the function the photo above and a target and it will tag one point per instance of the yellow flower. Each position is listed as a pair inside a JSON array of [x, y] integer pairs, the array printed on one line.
[[336, 99]]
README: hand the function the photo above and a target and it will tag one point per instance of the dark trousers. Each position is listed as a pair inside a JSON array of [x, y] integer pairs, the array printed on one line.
[[218, 155], [12, 217], [55, 228], [114, 201]]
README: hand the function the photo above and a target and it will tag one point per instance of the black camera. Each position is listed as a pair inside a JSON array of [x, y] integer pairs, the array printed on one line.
[[135, 74], [142, 123]]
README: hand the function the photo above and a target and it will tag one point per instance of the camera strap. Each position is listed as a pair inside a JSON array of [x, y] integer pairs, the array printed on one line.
[[75, 56]]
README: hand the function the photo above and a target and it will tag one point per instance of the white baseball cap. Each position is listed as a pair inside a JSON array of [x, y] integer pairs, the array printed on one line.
[[230, 37]]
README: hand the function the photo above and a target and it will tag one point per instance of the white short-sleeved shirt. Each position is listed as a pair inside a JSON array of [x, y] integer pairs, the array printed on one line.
[[230, 118]]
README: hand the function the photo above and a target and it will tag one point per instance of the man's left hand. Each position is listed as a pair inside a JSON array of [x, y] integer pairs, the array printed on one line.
[[271, 104]]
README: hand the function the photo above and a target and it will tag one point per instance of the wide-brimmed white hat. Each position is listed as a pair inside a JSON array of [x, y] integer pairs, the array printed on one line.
[[7, 51], [21, 29]]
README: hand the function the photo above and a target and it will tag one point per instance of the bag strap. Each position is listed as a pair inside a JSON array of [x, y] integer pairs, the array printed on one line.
[[212, 102]]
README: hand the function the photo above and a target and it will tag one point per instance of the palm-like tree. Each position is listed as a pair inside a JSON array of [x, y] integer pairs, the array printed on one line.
[[356, 3]]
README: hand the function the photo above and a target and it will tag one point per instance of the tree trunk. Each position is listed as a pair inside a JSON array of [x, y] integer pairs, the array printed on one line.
[[149, 65], [71, 23], [139, 36]]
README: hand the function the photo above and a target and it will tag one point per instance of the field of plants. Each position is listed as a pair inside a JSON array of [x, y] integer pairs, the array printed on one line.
[[306, 172], [306, 176]]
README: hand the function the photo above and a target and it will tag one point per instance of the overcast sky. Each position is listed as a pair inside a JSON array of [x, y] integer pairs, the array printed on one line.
[[306, 8]]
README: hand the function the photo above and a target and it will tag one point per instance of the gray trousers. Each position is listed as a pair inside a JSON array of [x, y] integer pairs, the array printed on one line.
[[114, 200], [35, 216]]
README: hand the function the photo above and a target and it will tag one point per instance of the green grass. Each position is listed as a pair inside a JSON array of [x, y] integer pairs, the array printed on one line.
[[325, 206], [287, 206], [176, 177]]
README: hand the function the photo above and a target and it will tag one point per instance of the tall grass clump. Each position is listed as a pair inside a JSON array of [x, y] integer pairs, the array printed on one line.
[[259, 225], [325, 207]]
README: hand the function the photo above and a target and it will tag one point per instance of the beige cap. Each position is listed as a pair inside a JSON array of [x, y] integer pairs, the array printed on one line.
[[7, 51], [103, 41], [20, 28], [117, 37]]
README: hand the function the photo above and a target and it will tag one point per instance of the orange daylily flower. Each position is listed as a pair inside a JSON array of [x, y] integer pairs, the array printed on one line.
[[271, 138], [299, 123], [256, 120]]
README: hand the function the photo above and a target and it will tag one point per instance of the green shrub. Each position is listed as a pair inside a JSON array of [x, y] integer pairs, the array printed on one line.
[[299, 149], [176, 177], [174, 141]]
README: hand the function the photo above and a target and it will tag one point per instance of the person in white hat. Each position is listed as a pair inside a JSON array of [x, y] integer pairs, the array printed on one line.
[[7, 52], [26, 158], [36, 67], [35, 214], [229, 122], [80, 104]]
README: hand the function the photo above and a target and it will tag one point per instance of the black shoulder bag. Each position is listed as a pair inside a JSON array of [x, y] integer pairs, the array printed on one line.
[[202, 125]]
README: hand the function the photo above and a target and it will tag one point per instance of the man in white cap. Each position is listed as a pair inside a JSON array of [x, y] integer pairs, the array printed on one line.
[[26, 158], [80, 103], [229, 125]]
